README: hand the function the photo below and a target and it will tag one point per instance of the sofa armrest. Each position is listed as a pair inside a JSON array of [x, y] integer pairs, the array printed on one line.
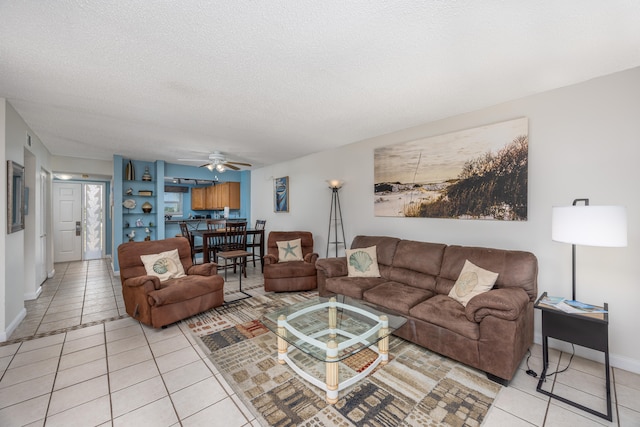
[[135, 282], [333, 267], [207, 269], [503, 303], [311, 258], [270, 259]]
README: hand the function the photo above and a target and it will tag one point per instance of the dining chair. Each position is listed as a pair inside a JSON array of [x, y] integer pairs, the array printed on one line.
[[215, 242], [195, 249], [256, 241], [234, 248]]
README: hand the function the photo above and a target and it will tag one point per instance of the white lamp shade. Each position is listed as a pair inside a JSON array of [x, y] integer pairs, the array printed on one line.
[[590, 225]]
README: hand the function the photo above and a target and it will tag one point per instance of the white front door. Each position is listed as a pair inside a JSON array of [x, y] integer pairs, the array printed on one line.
[[67, 220]]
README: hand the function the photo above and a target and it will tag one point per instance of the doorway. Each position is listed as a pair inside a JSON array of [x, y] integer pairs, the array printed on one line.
[[78, 215]]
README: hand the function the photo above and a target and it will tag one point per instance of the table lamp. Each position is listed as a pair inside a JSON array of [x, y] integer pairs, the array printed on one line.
[[604, 226]]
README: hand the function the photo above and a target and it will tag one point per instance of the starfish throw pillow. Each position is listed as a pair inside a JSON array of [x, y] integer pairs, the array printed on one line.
[[290, 250]]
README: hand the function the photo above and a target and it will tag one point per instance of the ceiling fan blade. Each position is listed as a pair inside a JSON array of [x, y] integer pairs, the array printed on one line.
[[205, 165], [230, 166], [239, 163], [192, 160]]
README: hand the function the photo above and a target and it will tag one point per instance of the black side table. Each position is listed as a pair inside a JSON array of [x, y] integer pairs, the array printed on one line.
[[589, 331]]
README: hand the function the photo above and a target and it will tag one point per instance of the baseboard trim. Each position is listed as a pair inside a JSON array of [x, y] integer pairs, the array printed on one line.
[[33, 295], [616, 361], [4, 335]]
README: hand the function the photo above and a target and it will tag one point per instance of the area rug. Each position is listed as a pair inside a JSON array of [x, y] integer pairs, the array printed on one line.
[[416, 388]]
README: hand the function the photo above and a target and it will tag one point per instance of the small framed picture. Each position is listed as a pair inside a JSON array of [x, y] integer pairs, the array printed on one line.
[[281, 194]]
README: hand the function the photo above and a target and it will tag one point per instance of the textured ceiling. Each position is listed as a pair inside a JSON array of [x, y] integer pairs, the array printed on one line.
[[274, 80]]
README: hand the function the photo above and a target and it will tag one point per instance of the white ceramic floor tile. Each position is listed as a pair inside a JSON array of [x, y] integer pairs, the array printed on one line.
[[27, 357], [225, 413], [154, 335], [158, 414], [82, 343], [198, 396], [628, 418], [499, 418], [26, 390], [131, 375], [579, 396], [120, 323], [24, 413], [523, 405], [29, 372], [137, 396], [92, 413], [9, 350], [177, 342], [78, 394], [628, 397], [81, 357], [125, 344], [41, 342], [80, 373], [559, 416], [129, 358], [176, 359], [85, 332], [185, 376], [125, 332]]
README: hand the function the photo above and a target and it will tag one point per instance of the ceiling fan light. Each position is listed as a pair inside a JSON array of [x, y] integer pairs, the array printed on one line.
[[220, 167], [210, 167]]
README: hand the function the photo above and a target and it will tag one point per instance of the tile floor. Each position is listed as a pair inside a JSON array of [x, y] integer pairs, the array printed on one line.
[[114, 371]]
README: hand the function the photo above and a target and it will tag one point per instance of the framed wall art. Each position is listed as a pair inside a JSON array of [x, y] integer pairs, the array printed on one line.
[[281, 194], [15, 197], [479, 173]]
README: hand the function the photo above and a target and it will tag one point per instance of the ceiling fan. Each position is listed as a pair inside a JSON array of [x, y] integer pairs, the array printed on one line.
[[218, 162]]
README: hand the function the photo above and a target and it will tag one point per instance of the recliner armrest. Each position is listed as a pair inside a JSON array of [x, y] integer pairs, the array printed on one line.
[[311, 258], [504, 303], [333, 267], [270, 259], [141, 281], [207, 269]]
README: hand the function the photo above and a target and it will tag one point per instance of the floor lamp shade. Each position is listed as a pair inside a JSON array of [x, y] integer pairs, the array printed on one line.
[[590, 225]]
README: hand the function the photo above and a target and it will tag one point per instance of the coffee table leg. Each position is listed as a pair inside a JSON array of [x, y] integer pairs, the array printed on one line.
[[282, 343], [333, 317], [332, 372], [383, 344]]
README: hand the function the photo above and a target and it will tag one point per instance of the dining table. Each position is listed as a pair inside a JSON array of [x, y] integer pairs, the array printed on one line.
[[206, 234]]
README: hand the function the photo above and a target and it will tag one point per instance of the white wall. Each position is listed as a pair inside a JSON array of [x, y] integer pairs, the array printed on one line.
[[19, 255], [583, 142]]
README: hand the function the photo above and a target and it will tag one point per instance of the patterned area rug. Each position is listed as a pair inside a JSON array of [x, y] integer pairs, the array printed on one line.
[[416, 388]]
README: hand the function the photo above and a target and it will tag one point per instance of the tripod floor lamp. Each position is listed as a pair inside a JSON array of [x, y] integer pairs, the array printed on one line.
[[335, 217], [588, 225]]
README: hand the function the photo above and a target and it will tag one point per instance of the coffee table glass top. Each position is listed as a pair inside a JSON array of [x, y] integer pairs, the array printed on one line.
[[307, 325]]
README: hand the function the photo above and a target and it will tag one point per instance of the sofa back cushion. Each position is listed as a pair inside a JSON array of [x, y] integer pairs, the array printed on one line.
[[385, 250], [514, 268], [129, 255], [417, 263]]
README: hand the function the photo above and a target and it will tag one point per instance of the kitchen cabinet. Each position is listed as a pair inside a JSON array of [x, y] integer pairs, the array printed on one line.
[[216, 197]]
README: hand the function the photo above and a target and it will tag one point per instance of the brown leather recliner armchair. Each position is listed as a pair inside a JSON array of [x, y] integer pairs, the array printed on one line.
[[158, 303], [292, 275]]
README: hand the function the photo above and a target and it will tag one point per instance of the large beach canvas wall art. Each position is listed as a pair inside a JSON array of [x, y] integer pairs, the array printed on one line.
[[478, 173]]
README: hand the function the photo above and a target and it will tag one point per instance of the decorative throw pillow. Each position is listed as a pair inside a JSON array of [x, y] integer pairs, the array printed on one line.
[[165, 265], [472, 281], [362, 262], [290, 250]]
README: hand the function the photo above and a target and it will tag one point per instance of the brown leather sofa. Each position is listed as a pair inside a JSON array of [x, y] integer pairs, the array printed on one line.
[[492, 333], [292, 275], [158, 303]]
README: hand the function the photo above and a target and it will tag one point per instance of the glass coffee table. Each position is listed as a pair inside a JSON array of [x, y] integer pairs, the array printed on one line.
[[330, 330]]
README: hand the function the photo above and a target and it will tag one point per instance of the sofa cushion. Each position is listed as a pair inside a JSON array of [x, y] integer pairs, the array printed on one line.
[[446, 313], [290, 250], [184, 288], [396, 296], [472, 281], [352, 287], [385, 246], [290, 269], [362, 262], [164, 265]]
